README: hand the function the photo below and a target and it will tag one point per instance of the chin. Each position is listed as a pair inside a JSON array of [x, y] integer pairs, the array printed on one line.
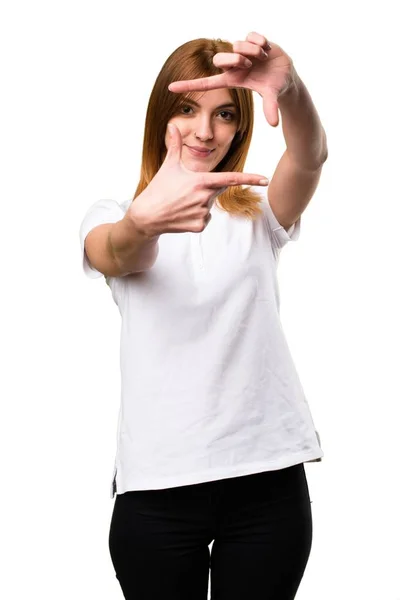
[[198, 168]]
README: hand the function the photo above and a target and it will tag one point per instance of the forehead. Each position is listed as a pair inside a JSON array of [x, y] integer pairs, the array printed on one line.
[[211, 97]]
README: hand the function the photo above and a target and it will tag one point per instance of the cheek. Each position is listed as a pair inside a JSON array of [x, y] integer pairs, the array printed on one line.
[[233, 133], [229, 141], [177, 124], [230, 136]]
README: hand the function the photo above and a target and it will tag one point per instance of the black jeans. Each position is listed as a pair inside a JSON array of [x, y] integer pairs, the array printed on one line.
[[260, 526]]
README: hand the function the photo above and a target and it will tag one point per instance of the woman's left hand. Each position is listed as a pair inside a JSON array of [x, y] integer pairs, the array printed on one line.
[[254, 64]]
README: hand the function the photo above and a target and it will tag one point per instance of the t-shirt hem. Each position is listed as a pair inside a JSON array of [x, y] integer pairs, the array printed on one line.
[[213, 474]]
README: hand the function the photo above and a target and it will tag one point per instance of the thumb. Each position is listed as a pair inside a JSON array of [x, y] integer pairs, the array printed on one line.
[[175, 143], [270, 107]]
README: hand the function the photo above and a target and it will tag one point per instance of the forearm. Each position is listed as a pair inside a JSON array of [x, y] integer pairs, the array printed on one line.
[[304, 135], [131, 250]]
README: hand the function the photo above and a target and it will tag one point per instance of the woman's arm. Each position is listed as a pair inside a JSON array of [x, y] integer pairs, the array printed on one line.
[[298, 172], [302, 128], [118, 249]]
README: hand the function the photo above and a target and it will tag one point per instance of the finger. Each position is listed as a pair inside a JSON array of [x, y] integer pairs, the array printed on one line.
[[198, 85], [175, 144], [259, 39], [223, 180], [270, 108], [218, 192], [212, 198], [227, 60], [250, 50]]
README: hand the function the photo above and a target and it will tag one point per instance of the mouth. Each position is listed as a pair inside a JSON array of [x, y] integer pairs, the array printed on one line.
[[199, 153]]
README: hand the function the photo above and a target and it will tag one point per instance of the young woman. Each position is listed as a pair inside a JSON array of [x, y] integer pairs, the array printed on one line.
[[214, 427]]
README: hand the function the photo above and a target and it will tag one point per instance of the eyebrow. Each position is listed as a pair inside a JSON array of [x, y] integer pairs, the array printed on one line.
[[228, 104]]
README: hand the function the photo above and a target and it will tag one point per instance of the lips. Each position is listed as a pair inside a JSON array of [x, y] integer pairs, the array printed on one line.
[[197, 151], [201, 148]]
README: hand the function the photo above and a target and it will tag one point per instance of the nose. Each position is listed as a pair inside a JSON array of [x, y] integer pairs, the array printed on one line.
[[203, 129]]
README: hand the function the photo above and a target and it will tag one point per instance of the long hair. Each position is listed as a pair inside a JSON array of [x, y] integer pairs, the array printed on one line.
[[192, 60]]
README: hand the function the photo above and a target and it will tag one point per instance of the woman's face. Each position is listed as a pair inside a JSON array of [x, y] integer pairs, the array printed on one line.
[[211, 124]]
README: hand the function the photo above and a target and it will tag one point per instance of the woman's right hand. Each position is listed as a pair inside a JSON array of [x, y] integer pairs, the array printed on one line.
[[178, 200]]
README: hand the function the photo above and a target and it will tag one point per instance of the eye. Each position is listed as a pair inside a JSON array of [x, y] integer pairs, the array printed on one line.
[[185, 106], [229, 116]]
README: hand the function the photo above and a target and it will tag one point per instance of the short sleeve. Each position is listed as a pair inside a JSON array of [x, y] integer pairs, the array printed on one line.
[[279, 235], [102, 211]]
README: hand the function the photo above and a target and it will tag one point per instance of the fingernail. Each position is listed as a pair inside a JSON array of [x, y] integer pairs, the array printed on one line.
[[263, 181], [170, 129]]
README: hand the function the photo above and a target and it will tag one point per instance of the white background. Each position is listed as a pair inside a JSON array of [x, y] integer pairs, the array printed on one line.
[[76, 78]]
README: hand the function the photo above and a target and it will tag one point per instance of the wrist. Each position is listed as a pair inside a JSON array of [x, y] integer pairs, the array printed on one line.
[[140, 225], [291, 89]]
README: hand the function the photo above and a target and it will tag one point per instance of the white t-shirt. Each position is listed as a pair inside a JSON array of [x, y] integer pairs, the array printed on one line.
[[209, 389]]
